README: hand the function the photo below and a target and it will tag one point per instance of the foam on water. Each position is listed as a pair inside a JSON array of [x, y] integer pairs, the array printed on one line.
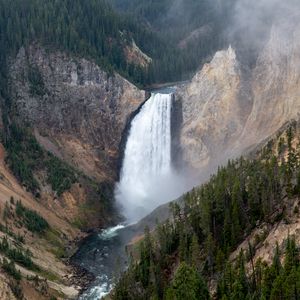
[[110, 232]]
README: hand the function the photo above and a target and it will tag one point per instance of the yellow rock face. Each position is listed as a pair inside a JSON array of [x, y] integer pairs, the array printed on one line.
[[227, 110]]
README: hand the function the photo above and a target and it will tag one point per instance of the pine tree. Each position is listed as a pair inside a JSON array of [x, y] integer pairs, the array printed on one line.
[[292, 255], [188, 284], [195, 253], [240, 286]]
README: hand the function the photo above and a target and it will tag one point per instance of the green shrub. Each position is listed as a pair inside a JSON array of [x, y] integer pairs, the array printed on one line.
[[10, 269], [60, 175], [17, 255], [31, 219]]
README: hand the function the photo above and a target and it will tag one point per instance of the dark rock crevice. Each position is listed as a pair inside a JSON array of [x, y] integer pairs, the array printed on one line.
[[176, 124], [125, 134]]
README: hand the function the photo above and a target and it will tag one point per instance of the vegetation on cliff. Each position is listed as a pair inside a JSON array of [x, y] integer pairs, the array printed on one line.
[[215, 219], [23, 258], [25, 156], [27, 242], [31, 219]]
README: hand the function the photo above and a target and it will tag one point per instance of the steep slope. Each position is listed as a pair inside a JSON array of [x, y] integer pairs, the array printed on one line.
[[233, 233], [275, 83], [66, 118], [45, 248], [77, 112], [228, 108], [212, 108]]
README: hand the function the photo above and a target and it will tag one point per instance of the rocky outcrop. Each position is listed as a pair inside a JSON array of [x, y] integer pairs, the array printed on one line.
[[228, 109], [136, 56], [213, 112], [77, 110]]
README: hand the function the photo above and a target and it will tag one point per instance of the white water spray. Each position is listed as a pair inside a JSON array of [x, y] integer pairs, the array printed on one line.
[[147, 178]]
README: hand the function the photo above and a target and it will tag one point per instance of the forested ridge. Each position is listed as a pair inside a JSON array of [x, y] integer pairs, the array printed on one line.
[[194, 30], [190, 252], [174, 19], [90, 29], [94, 29]]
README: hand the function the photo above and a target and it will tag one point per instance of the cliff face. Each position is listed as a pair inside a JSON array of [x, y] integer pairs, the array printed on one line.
[[228, 108], [213, 110], [276, 89], [77, 110]]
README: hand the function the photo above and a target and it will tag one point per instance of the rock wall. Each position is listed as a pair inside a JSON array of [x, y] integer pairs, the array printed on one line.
[[228, 108], [213, 112], [77, 110], [79, 113], [275, 85]]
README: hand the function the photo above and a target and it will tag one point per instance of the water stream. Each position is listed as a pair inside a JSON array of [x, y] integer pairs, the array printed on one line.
[[147, 180]]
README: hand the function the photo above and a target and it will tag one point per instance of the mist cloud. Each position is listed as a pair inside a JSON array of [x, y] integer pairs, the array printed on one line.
[[251, 22]]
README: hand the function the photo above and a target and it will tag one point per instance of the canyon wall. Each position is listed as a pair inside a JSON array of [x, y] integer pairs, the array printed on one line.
[[229, 108], [77, 110]]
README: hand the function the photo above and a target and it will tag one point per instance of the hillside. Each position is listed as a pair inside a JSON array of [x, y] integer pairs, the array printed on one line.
[[63, 132], [64, 108], [74, 27], [194, 30], [35, 241], [249, 201]]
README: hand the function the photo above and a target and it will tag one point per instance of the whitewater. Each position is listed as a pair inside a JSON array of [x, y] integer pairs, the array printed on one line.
[[147, 176]]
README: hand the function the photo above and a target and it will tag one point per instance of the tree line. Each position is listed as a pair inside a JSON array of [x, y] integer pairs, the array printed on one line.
[[93, 29]]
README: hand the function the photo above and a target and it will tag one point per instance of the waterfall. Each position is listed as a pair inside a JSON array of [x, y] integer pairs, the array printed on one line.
[[146, 174]]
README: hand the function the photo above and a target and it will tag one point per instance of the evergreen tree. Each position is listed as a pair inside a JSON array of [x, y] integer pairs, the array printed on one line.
[[188, 284]]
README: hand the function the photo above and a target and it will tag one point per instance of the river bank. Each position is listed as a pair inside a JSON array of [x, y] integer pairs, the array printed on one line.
[[103, 255]]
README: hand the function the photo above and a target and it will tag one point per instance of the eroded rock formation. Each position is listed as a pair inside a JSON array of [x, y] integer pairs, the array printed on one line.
[[228, 108], [78, 111]]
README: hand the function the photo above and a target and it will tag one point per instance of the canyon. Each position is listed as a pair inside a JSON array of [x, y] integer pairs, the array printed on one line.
[[81, 115]]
